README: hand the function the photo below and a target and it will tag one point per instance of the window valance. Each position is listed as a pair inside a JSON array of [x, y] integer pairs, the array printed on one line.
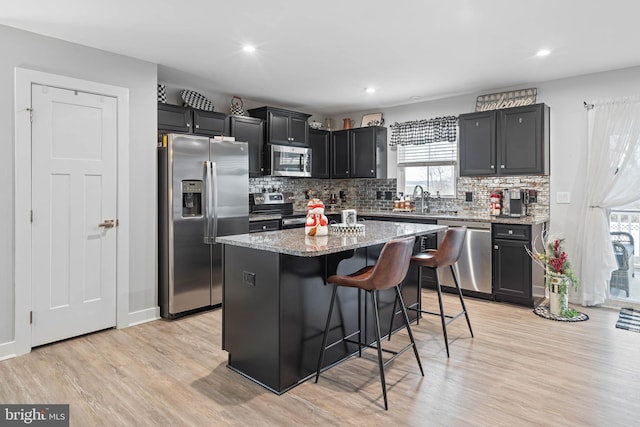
[[420, 132]]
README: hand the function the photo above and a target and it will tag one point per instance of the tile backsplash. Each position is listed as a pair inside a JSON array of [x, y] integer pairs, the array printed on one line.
[[362, 194]]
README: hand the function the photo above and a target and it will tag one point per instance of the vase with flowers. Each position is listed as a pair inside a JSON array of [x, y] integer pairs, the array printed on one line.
[[559, 275]]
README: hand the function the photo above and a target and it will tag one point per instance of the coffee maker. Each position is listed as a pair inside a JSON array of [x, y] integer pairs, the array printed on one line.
[[519, 201]]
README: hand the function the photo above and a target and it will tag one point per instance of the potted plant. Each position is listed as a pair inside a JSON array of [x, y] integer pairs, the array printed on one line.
[[559, 275]]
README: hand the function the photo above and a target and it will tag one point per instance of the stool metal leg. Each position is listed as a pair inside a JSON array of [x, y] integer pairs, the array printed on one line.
[[406, 323], [393, 316], [326, 332], [442, 317], [464, 307], [376, 318]]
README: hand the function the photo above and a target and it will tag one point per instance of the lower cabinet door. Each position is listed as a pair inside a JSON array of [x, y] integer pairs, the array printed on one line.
[[512, 272]]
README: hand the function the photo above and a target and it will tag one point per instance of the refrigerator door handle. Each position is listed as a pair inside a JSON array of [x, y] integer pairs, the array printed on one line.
[[214, 190], [208, 176]]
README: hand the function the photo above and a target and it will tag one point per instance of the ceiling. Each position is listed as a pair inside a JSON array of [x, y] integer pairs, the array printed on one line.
[[320, 56]]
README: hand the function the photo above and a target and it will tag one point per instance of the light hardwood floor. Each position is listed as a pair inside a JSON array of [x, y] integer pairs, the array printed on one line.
[[519, 370]]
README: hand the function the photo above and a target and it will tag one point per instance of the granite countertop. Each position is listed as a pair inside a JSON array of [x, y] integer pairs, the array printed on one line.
[[462, 216], [295, 242]]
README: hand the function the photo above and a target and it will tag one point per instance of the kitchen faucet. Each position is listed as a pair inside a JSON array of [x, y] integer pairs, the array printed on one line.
[[422, 195]]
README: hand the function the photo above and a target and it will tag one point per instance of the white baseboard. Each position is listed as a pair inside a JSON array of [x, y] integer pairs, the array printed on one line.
[[7, 350], [143, 316]]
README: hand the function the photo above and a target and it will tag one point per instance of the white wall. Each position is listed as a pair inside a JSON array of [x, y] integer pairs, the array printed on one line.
[[28, 50]]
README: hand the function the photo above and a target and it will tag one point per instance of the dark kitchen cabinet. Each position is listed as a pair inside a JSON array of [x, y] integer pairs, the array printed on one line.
[[340, 149], [511, 141], [320, 144], [210, 123], [477, 143], [523, 140], [175, 118], [516, 278], [359, 153], [251, 130], [283, 127]]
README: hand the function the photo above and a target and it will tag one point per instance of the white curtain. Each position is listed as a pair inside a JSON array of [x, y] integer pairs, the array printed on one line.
[[612, 181]]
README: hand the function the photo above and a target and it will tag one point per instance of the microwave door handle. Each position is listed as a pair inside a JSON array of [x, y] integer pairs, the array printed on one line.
[[214, 190], [301, 166], [208, 206]]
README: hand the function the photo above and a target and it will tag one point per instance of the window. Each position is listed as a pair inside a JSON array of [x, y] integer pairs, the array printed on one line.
[[433, 166]]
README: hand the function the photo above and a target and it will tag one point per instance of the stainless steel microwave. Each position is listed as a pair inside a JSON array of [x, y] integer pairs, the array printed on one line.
[[290, 161]]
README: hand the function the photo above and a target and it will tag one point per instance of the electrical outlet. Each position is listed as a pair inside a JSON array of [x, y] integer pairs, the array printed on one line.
[[378, 195], [468, 196], [249, 278], [388, 195]]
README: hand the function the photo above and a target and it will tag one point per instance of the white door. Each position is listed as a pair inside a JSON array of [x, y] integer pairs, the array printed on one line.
[[74, 177]]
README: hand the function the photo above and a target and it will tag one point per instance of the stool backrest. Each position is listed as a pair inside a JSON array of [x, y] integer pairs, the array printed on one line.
[[450, 248], [392, 264]]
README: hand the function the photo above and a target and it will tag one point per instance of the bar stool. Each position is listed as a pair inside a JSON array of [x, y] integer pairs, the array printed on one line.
[[388, 272], [446, 255]]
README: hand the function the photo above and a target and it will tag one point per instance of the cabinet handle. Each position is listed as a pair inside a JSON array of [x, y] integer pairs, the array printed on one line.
[[371, 170], [264, 227], [477, 124], [493, 167], [501, 166], [197, 126], [510, 231], [519, 119], [188, 125], [496, 247]]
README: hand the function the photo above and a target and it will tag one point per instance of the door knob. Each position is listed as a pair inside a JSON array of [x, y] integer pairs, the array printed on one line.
[[108, 223]]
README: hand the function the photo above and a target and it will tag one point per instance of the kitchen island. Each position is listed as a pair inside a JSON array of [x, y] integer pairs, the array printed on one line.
[[275, 298]]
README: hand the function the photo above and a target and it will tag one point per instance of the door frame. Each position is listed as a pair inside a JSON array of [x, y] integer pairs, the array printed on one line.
[[24, 78]]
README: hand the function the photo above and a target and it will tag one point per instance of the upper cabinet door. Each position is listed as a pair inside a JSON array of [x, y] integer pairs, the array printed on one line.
[[340, 148], [298, 130], [477, 143], [250, 130], [278, 124], [319, 142], [174, 118], [363, 152], [523, 140], [210, 123]]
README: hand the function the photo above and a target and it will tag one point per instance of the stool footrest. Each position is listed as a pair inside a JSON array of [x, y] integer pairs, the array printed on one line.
[[447, 316], [343, 340]]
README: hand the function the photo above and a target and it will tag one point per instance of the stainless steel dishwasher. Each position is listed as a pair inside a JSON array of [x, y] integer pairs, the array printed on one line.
[[474, 265]]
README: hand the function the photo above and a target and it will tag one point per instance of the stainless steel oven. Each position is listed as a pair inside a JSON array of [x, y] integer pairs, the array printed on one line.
[[290, 161]]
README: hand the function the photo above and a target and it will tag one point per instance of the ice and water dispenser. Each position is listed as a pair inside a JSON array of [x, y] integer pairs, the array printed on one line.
[[191, 198]]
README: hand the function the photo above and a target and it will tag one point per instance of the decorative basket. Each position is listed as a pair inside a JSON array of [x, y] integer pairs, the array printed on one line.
[[342, 228], [237, 106], [195, 100]]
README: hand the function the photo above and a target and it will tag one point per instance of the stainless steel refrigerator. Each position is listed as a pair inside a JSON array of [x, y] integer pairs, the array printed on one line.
[[203, 185]]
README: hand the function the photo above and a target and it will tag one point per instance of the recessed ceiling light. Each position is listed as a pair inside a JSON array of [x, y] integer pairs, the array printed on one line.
[[248, 48], [370, 89], [543, 52]]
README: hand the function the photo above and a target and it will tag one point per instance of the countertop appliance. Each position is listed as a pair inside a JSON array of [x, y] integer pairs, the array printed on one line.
[[474, 265], [286, 160], [202, 187]]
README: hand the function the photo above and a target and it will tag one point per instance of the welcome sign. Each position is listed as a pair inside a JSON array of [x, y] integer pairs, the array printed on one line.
[[514, 98]]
